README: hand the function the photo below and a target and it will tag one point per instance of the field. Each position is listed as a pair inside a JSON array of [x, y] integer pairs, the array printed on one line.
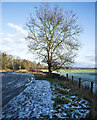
[[74, 70], [87, 76], [79, 70]]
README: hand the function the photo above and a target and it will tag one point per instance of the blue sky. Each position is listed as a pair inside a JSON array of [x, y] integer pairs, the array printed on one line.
[[14, 17], [96, 35]]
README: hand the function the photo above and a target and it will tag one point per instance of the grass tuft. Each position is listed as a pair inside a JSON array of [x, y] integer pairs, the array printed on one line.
[[64, 92], [61, 101]]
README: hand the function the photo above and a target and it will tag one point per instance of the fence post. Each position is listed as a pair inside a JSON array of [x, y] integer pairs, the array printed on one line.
[[79, 82], [91, 86], [72, 78], [67, 76]]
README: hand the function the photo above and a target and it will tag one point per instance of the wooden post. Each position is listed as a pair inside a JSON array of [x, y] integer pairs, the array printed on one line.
[[67, 76], [79, 82], [91, 86], [72, 78]]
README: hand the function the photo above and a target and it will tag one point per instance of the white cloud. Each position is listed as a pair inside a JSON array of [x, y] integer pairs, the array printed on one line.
[[1, 33], [12, 35], [8, 39], [15, 44], [85, 61], [18, 28], [85, 64]]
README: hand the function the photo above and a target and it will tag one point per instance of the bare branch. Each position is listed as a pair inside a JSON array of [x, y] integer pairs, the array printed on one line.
[[53, 35]]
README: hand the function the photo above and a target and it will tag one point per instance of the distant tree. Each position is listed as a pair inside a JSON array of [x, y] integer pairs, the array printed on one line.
[[34, 65], [9, 61], [52, 35], [39, 66], [4, 60], [15, 63]]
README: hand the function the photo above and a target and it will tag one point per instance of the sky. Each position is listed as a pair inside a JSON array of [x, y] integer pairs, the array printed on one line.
[[15, 16], [96, 36]]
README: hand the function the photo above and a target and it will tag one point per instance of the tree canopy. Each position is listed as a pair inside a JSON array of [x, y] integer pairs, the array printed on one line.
[[52, 35]]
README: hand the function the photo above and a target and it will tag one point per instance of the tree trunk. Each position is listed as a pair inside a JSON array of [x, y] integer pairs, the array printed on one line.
[[49, 63], [49, 68]]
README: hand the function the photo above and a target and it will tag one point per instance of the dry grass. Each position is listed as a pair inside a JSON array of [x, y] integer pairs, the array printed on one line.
[[84, 93], [64, 92], [22, 71], [7, 70], [75, 90], [59, 100], [30, 72]]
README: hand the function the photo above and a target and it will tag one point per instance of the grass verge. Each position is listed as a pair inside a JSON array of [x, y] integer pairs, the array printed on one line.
[[75, 90]]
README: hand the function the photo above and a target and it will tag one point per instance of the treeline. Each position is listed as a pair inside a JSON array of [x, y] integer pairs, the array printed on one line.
[[15, 63]]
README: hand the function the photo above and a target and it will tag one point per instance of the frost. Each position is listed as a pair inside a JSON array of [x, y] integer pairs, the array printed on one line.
[[36, 99], [76, 108]]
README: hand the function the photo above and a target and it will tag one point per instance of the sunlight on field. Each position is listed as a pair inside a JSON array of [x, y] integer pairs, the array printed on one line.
[[22, 70], [79, 70], [8, 70], [73, 70], [44, 70]]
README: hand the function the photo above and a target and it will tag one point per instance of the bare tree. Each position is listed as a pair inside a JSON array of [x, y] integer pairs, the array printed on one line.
[[52, 35]]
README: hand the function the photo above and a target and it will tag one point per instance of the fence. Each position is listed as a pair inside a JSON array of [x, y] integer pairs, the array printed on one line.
[[79, 82]]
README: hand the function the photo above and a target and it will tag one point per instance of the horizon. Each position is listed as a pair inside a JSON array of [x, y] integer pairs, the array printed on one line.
[[76, 67]]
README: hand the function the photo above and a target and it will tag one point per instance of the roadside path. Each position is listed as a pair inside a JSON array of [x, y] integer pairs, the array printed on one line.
[[33, 101]]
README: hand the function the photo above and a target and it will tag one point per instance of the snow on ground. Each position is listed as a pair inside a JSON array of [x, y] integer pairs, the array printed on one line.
[[34, 101], [73, 107], [38, 98]]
